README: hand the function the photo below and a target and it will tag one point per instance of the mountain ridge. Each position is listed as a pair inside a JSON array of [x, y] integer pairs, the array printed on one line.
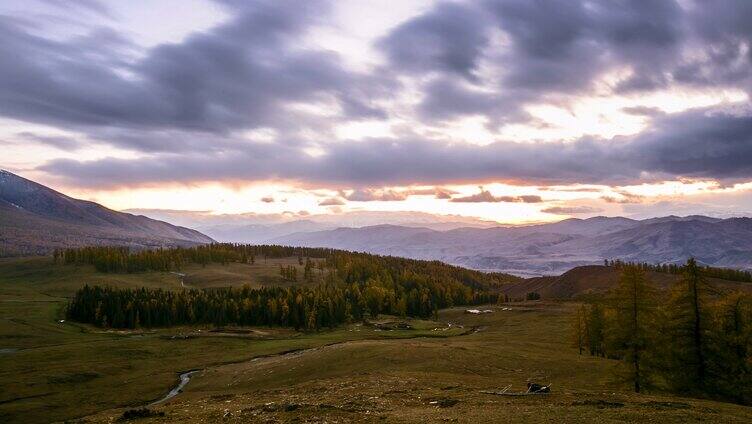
[[547, 249], [35, 219]]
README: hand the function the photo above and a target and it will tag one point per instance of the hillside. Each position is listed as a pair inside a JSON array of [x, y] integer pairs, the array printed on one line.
[[597, 279], [548, 249], [35, 219]]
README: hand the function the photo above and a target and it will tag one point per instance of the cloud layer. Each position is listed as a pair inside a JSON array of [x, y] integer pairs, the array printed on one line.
[[186, 108]]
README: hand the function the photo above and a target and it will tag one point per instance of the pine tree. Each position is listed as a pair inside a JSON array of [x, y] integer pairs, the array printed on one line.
[[595, 331], [629, 334], [687, 340], [579, 329], [730, 358]]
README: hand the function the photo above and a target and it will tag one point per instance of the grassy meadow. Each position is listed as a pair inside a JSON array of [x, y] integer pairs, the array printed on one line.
[[52, 370], [432, 372]]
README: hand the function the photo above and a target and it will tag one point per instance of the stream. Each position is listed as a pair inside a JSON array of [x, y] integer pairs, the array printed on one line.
[[184, 379]]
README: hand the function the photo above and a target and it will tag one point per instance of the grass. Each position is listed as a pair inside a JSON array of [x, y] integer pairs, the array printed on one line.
[[437, 380], [52, 371], [262, 272]]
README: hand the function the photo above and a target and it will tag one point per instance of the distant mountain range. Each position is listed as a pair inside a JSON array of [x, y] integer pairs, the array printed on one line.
[[551, 249], [262, 228], [35, 219]]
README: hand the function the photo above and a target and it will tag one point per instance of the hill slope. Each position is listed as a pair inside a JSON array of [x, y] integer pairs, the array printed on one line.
[[35, 219], [598, 279]]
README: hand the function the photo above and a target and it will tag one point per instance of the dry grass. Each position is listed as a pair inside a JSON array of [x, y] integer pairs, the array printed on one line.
[[57, 371]]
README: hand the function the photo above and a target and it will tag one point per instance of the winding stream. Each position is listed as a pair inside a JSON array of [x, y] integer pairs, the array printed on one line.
[[184, 379]]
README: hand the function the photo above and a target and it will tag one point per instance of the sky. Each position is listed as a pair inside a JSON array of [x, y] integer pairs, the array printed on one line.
[[513, 111]]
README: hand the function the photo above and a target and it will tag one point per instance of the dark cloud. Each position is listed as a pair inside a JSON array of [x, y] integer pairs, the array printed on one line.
[[560, 47], [698, 143], [59, 142], [445, 98], [571, 210], [183, 105], [240, 74], [449, 38], [701, 143], [267, 199]]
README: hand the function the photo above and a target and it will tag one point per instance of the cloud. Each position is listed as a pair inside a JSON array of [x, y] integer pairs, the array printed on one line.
[[442, 193], [437, 192], [243, 73], [388, 195], [563, 47], [643, 111], [332, 201], [267, 199], [86, 6], [624, 198], [485, 196], [184, 106], [701, 143], [57, 141], [449, 37], [368, 195], [571, 210]]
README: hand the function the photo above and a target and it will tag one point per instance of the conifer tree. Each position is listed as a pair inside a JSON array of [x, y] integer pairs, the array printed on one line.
[[629, 334], [730, 356], [688, 313], [579, 329], [596, 331]]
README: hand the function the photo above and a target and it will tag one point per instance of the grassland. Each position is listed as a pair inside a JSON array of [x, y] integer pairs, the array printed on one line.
[[52, 371]]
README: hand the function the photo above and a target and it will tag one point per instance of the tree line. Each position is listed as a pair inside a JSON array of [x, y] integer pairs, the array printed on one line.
[[694, 340], [353, 286], [676, 269], [119, 259]]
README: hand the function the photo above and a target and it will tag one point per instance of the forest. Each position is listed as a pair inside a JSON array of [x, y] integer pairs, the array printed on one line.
[[350, 287], [729, 274], [693, 340]]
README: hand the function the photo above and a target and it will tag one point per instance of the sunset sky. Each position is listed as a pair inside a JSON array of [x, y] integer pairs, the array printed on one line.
[[512, 110]]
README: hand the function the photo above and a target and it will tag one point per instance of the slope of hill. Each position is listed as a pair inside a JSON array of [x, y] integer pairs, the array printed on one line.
[[598, 279], [550, 249], [35, 219]]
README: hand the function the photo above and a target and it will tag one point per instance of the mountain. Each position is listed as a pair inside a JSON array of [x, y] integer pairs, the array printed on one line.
[[35, 219], [550, 249], [263, 228]]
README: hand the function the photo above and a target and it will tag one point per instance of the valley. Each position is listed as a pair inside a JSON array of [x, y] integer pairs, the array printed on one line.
[[416, 211], [420, 370]]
